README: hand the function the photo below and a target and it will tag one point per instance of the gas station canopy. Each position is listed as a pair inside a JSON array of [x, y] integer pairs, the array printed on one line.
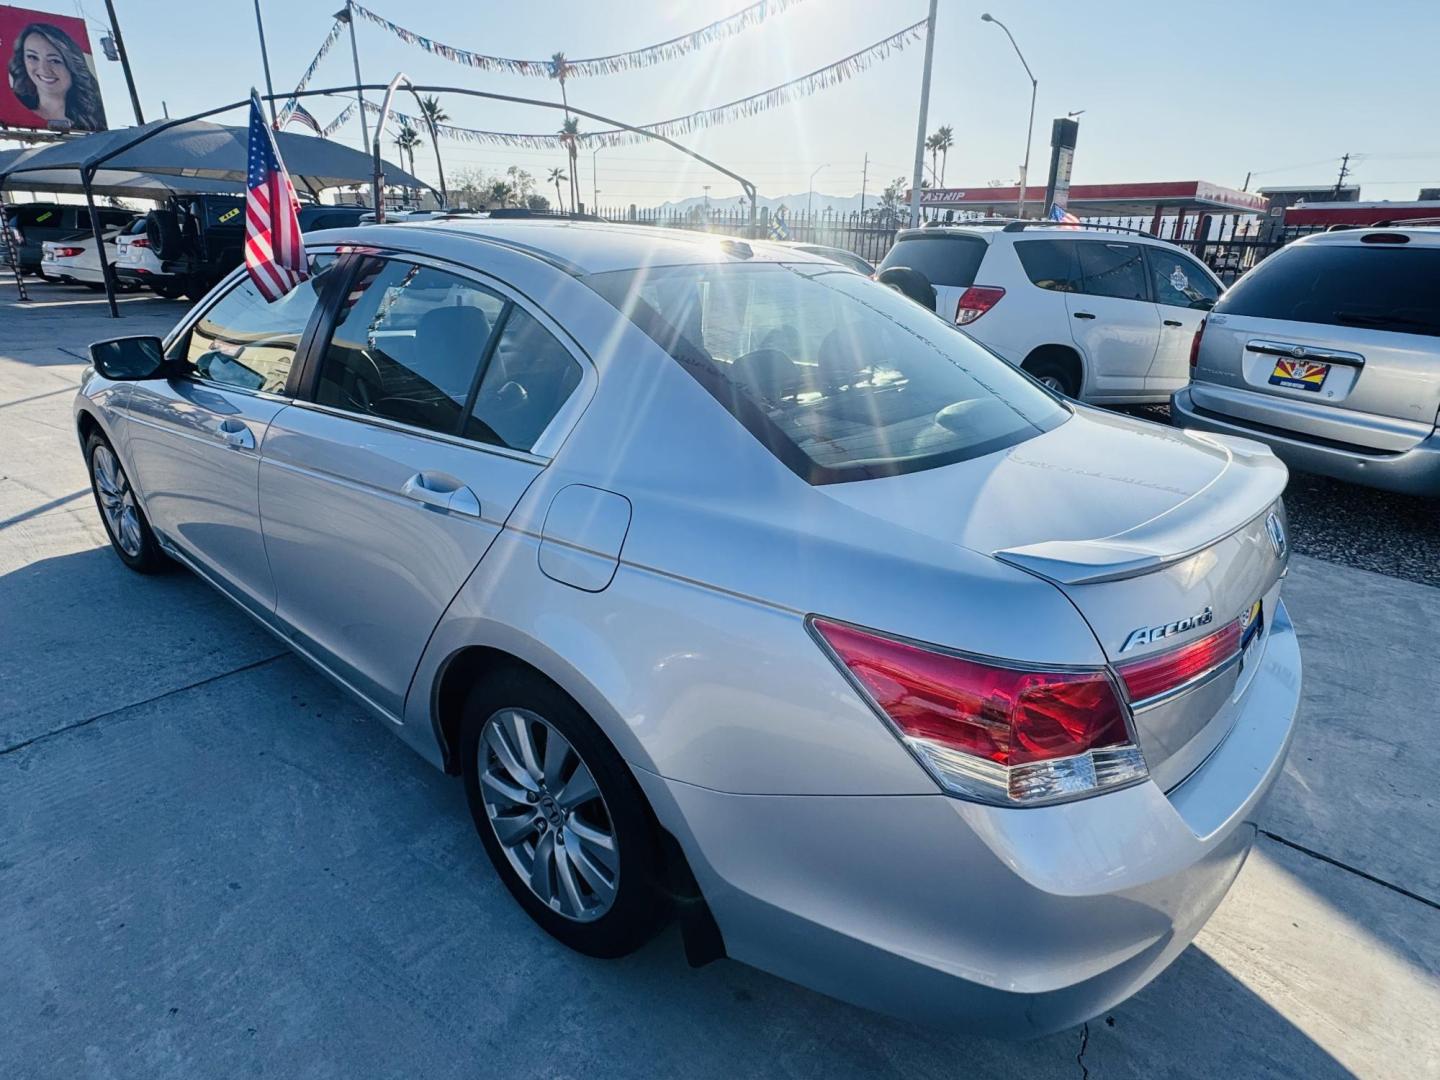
[[1103, 200]]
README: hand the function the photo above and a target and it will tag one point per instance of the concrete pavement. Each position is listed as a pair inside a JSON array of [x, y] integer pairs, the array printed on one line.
[[213, 864]]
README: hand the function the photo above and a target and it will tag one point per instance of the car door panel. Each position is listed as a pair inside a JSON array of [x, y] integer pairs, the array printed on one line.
[[1184, 291], [1113, 321], [364, 569], [382, 493], [194, 452]]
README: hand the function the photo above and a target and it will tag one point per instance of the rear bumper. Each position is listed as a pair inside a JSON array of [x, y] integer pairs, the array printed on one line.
[[1413, 472], [999, 921]]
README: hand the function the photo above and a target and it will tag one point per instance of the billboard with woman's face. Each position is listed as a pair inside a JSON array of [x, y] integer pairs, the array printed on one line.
[[49, 72]]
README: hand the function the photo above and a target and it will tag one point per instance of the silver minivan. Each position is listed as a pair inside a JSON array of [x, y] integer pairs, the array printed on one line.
[[1329, 352]]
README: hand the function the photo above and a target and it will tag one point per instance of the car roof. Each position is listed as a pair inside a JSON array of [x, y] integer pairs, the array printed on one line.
[[1422, 236], [582, 247]]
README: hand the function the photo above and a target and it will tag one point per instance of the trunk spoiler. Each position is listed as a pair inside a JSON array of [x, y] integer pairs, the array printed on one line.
[[1252, 479]]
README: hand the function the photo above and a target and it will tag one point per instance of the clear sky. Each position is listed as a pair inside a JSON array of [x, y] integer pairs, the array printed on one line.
[[1280, 88]]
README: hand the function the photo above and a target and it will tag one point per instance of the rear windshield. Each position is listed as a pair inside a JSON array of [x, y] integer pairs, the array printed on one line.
[[1379, 287], [841, 378], [944, 260], [48, 216]]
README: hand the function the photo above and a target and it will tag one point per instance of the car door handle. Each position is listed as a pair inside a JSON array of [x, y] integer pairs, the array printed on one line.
[[1083, 315], [442, 493], [1173, 322], [235, 434]]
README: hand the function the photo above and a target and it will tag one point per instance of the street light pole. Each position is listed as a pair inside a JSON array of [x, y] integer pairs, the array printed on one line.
[[810, 199], [1029, 127], [918, 174], [347, 17], [124, 60]]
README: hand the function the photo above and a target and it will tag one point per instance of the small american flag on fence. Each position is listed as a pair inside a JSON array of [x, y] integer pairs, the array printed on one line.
[[274, 251]]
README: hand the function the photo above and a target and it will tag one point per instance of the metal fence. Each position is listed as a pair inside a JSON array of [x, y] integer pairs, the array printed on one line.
[[869, 235], [1229, 244]]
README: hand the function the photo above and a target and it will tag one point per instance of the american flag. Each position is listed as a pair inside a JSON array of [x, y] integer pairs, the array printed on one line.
[[298, 114], [1060, 214], [274, 251]]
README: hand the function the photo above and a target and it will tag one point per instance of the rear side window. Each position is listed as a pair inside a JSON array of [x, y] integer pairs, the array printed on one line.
[[50, 217], [944, 260], [1109, 268], [1381, 287], [1050, 264], [408, 345], [837, 376]]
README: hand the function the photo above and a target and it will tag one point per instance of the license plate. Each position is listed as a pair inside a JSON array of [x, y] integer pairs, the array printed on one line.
[[1299, 374]]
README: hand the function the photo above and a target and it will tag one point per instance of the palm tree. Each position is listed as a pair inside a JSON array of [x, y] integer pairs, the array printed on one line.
[[432, 116], [569, 138], [501, 192], [556, 175], [560, 70], [405, 142], [932, 143], [947, 140]]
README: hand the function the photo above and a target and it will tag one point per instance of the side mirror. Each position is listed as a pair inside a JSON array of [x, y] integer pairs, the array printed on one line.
[[127, 359]]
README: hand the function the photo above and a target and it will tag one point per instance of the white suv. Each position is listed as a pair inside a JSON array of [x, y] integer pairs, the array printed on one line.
[[1099, 314]]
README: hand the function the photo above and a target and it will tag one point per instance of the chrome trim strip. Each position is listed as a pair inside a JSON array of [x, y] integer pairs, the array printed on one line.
[[426, 433], [1304, 352]]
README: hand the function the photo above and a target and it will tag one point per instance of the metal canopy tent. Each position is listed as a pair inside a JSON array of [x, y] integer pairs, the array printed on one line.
[[184, 155]]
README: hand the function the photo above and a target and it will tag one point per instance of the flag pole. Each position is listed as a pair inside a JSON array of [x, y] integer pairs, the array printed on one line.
[[265, 59]]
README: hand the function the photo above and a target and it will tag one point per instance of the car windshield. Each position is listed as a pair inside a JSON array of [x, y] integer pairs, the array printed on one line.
[[1378, 287], [841, 378]]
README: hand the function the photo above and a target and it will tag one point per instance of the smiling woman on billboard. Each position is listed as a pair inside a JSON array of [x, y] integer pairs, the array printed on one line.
[[50, 75]]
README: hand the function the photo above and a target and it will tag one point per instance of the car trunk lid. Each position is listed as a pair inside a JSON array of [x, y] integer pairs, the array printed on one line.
[[1141, 527]]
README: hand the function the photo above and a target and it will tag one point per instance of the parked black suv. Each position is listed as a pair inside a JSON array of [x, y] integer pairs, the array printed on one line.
[[201, 238], [31, 224]]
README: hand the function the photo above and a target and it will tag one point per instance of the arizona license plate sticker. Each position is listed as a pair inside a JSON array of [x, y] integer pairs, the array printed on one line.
[[1299, 374]]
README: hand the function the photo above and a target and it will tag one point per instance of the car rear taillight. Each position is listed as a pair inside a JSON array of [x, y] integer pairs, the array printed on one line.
[[65, 252], [975, 301], [986, 730], [1195, 343], [16, 235], [1161, 673]]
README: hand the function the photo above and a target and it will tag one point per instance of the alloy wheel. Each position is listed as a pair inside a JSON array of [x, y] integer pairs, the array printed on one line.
[[117, 501], [548, 814]]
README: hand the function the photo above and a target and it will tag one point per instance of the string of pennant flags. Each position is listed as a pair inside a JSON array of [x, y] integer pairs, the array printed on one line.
[[754, 104], [290, 105], [339, 121], [647, 56]]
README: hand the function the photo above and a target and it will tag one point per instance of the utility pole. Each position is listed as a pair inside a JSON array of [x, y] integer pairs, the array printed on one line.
[[265, 59], [1344, 172], [864, 178], [124, 60], [1247, 181], [918, 174], [346, 16]]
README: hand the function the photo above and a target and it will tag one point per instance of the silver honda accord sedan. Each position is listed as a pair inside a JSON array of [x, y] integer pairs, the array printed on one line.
[[737, 587]]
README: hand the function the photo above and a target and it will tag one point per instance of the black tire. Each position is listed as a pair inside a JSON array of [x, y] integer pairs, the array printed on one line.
[[638, 908], [168, 288], [1054, 373], [911, 283], [146, 556], [162, 229]]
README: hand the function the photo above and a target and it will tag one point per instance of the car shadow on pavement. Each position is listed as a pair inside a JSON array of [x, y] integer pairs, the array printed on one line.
[[245, 868]]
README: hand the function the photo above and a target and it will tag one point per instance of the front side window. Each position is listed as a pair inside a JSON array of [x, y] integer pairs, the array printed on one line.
[[1113, 269], [408, 345], [248, 343], [838, 376], [1178, 281]]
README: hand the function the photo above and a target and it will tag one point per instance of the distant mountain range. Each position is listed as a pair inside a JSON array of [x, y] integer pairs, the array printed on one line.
[[842, 204]]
